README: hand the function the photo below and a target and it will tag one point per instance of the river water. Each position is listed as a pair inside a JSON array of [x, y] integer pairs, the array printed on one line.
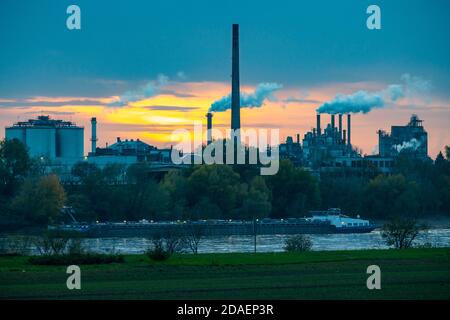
[[265, 243]]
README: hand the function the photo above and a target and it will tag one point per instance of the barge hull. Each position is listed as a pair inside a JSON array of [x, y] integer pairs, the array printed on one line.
[[212, 230]]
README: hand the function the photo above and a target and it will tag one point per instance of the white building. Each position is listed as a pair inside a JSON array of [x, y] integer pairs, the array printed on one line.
[[55, 140]]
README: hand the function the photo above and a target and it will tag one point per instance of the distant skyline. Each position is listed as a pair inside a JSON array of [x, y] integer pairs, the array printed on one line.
[[146, 68]]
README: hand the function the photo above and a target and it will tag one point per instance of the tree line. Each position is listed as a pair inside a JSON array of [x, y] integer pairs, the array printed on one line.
[[30, 196]]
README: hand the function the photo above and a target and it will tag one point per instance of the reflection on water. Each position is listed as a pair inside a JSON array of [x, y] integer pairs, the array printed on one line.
[[268, 243]]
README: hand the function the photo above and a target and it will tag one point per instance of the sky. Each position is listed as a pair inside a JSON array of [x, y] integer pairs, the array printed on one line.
[[146, 68]]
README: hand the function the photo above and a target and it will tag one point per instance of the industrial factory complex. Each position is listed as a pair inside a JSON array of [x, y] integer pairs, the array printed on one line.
[[327, 147], [331, 149]]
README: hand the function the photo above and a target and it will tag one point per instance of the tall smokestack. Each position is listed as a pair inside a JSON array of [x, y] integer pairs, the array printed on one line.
[[298, 138], [340, 127], [343, 136], [235, 94], [94, 134], [332, 128], [318, 124], [349, 125], [209, 127]]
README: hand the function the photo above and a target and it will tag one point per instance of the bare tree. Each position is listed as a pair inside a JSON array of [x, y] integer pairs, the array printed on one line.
[[193, 233], [164, 244], [401, 232], [174, 241]]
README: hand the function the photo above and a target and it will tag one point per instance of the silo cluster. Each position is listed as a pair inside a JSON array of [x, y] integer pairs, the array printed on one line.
[[49, 138]]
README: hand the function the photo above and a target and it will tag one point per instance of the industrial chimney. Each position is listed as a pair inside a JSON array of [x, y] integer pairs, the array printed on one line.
[[348, 129], [209, 127], [332, 128], [340, 127], [318, 125], [94, 134], [235, 94]]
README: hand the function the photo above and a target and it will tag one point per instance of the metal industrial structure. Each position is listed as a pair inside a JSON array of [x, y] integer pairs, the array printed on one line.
[[128, 152], [94, 134], [320, 147], [330, 149], [410, 140], [209, 127], [235, 90], [49, 138]]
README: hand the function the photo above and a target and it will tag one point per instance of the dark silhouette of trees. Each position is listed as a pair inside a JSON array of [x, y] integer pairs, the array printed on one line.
[[294, 191], [40, 201], [15, 166]]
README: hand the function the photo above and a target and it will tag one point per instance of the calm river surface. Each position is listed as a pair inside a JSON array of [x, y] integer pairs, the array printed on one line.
[[268, 243]]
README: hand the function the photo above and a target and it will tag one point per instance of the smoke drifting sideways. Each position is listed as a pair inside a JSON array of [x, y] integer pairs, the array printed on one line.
[[363, 101], [256, 99], [412, 145], [149, 90]]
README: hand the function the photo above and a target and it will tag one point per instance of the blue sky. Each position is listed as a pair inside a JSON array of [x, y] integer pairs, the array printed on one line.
[[303, 43], [312, 50]]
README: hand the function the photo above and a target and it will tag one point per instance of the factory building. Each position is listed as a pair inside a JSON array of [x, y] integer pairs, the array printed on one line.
[[330, 150], [410, 140], [292, 150], [320, 147], [127, 152], [49, 138]]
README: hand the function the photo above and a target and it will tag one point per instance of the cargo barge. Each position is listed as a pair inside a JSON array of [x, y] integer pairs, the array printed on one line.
[[320, 222]]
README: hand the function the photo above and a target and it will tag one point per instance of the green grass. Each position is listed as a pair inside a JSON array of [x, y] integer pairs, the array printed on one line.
[[406, 274]]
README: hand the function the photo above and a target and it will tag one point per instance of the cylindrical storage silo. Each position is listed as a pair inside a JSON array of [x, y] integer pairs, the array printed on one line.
[[15, 133], [70, 142], [41, 141]]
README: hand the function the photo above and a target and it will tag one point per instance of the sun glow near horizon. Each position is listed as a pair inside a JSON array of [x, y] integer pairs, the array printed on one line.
[[154, 119]]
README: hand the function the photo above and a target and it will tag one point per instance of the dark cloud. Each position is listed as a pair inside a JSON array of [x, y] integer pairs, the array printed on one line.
[[171, 108], [51, 112], [25, 103], [300, 100], [177, 94]]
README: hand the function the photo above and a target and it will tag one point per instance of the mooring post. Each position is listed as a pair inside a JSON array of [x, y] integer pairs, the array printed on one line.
[[254, 235]]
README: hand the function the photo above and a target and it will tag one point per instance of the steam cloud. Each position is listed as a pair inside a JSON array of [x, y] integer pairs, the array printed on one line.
[[412, 144], [150, 89], [363, 101], [256, 99]]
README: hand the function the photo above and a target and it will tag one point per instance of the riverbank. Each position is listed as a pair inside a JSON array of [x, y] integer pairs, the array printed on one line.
[[406, 274]]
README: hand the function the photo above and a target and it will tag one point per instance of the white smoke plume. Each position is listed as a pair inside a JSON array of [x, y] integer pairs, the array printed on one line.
[[363, 101], [256, 99], [412, 144], [148, 90]]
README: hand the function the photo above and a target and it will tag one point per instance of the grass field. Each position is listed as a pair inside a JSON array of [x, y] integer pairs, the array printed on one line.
[[405, 274]]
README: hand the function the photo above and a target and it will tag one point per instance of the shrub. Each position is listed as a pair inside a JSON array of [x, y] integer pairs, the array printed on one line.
[[58, 243], [75, 247], [68, 259], [158, 252], [298, 243], [401, 232]]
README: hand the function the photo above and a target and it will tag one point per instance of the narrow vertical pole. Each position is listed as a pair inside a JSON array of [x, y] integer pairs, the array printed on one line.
[[254, 235]]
